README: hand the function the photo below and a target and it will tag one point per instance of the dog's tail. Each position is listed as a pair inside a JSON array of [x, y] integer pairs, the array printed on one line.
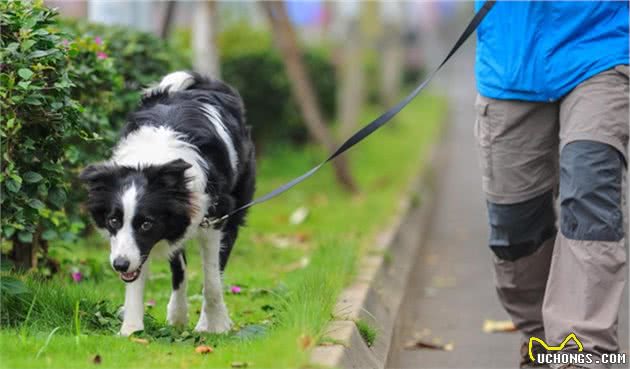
[[200, 88], [171, 83], [181, 81]]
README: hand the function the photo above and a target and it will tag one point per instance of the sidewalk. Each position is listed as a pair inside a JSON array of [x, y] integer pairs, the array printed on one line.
[[451, 291]]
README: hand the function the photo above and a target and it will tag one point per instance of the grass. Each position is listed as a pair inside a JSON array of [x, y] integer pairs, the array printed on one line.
[[290, 275], [367, 332]]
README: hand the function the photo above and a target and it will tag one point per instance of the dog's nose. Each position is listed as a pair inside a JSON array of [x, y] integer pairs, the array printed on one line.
[[121, 264]]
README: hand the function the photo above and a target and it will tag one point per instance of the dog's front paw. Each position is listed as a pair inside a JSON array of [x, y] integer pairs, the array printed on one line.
[[214, 322], [129, 329], [177, 314]]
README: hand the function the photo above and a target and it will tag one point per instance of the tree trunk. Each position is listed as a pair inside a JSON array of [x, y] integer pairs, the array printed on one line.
[[351, 78], [167, 22], [286, 40], [205, 52], [24, 254], [392, 58]]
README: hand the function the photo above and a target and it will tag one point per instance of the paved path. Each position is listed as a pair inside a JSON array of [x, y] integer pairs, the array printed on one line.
[[452, 291]]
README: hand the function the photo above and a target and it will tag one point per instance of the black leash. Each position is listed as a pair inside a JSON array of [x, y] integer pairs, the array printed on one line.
[[369, 128]]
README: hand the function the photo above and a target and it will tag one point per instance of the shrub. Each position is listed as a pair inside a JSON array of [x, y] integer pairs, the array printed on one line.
[[65, 91], [138, 59], [38, 116], [251, 64]]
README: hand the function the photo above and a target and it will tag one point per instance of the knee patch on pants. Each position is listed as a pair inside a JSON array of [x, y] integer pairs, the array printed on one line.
[[517, 230], [590, 192]]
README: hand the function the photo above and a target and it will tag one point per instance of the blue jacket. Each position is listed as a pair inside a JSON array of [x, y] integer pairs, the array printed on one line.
[[541, 50]]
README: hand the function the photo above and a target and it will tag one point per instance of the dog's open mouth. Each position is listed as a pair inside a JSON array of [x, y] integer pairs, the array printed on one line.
[[130, 276]]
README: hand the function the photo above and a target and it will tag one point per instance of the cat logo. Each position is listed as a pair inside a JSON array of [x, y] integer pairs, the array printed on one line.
[[553, 348]]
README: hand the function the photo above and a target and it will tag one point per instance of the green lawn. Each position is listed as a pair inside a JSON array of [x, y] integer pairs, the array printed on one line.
[[290, 275]]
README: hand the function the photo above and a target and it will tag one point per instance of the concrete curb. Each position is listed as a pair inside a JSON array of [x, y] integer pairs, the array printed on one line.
[[377, 292]]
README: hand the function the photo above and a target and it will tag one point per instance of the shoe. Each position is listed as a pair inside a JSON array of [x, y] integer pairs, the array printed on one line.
[[526, 362]]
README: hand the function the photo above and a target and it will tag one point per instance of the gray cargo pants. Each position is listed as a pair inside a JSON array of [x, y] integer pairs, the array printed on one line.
[[556, 283]]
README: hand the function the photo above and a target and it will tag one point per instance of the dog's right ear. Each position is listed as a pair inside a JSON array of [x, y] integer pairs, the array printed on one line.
[[97, 175]]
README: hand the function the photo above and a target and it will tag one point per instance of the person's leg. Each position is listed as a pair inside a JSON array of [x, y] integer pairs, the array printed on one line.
[[518, 143], [588, 270]]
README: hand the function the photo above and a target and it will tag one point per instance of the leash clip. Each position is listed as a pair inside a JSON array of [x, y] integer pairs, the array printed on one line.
[[207, 222]]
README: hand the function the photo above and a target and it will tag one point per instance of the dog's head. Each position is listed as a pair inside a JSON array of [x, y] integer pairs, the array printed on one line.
[[138, 207]]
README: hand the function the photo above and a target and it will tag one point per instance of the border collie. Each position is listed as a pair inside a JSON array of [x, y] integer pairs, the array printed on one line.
[[185, 155]]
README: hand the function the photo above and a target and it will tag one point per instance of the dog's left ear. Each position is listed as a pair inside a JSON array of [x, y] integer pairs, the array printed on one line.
[[170, 174], [96, 175]]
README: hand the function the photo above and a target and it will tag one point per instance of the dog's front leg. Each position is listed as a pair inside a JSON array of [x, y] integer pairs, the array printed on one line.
[[177, 309], [214, 315], [133, 319]]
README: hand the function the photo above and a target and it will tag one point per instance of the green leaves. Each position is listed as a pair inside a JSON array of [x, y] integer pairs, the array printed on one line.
[[42, 53], [25, 236], [36, 204], [13, 185], [61, 107], [38, 117], [27, 44], [32, 177], [25, 73], [57, 197]]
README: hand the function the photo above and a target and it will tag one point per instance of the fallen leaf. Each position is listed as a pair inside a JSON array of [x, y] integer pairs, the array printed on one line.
[[421, 344], [284, 241], [498, 326], [97, 359], [305, 341], [142, 341], [280, 241], [300, 264], [443, 281], [431, 259], [302, 237], [320, 199], [298, 216], [203, 349]]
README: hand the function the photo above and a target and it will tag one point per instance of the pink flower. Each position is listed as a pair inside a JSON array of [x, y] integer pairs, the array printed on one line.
[[101, 55], [76, 276], [151, 303], [235, 289], [65, 42], [98, 40]]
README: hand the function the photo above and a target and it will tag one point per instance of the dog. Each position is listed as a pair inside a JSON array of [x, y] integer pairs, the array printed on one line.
[[183, 157]]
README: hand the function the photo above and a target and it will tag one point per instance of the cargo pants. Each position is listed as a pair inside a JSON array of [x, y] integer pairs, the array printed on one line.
[[553, 282]]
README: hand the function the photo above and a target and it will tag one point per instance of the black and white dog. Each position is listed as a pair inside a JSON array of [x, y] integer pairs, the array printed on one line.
[[183, 156]]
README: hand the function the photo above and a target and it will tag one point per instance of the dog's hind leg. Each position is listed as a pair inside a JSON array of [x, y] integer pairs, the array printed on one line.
[[133, 319], [214, 315], [177, 309]]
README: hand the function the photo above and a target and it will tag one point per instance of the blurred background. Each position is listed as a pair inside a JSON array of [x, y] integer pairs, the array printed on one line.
[[351, 51], [307, 72]]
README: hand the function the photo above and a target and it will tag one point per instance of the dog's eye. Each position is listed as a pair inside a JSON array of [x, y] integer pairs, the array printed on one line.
[[114, 222], [146, 225]]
